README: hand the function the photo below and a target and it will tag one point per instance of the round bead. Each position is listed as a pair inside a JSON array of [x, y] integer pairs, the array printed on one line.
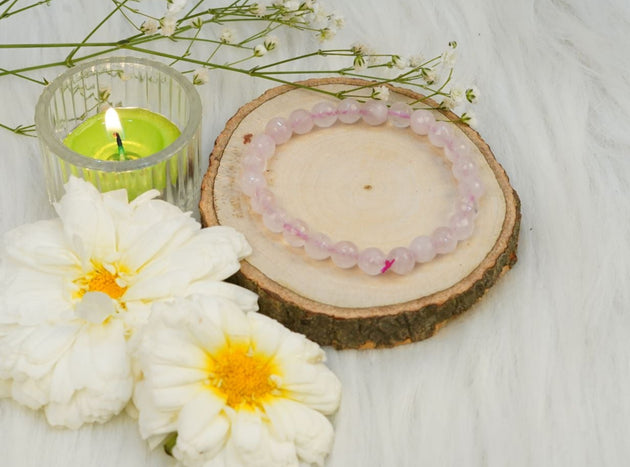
[[457, 149], [420, 121], [253, 161], [278, 128], [371, 261], [471, 188], [464, 168], [318, 246], [324, 114], [422, 248], [275, 219], [344, 254], [300, 121], [441, 134], [263, 201], [400, 113], [403, 260], [374, 113], [462, 225], [466, 205], [443, 240], [263, 144], [295, 232], [349, 111], [250, 181]]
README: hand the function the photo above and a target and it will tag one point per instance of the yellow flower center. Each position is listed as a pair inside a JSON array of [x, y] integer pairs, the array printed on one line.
[[244, 378], [101, 279]]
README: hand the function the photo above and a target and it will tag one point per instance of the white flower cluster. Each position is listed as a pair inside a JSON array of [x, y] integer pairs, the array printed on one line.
[[116, 299]]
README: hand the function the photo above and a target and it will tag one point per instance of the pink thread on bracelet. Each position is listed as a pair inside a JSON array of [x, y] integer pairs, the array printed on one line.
[[346, 254]]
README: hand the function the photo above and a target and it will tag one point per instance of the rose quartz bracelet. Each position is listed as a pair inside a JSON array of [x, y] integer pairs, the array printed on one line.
[[346, 254]]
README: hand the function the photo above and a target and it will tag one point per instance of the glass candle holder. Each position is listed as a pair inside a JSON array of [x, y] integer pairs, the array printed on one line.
[[139, 87]]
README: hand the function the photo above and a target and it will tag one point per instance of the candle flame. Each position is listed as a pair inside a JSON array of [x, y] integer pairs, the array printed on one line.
[[112, 121]]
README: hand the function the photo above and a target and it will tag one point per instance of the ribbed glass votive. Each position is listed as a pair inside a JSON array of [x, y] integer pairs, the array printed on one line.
[[86, 92]]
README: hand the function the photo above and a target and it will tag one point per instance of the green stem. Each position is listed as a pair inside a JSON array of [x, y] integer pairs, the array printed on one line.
[[28, 78], [5, 13], [70, 56]]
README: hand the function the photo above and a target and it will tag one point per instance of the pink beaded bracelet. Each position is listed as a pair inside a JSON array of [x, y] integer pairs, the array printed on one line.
[[345, 254]]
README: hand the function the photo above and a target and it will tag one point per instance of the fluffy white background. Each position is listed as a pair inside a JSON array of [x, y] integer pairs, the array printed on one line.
[[535, 374]]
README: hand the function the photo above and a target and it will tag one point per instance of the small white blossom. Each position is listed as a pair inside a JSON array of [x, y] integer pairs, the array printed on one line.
[[448, 58], [227, 36], [469, 118], [360, 48], [291, 5], [260, 9], [472, 94], [429, 75], [359, 63], [416, 60], [270, 42], [200, 76], [448, 103], [149, 27], [175, 6], [457, 95], [260, 50], [167, 25], [197, 23], [337, 20], [399, 62], [326, 34], [380, 93]]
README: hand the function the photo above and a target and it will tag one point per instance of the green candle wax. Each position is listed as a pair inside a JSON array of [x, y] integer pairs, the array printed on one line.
[[143, 133]]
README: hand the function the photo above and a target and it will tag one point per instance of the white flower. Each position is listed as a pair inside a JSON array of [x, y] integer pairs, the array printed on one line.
[[380, 93], [448, 103], [270, 42], [291, 5], [457, 95], [260, 9], [429, 75], [175, 6], [238, 388], [472, 94], [149, 27], [167, 25], [448, 58], [227, 36], [260, 50], [337, 20], [416, 60], [73, 291], [470, 118], [326, 34], [399, 62], [200, 76]]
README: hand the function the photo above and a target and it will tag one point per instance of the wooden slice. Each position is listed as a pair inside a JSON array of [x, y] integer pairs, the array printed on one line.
[[376, 186]]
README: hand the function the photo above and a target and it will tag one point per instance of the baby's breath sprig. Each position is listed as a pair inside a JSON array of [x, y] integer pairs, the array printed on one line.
[[202, 38]]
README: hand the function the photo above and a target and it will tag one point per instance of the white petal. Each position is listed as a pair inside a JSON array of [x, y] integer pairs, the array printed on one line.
[[86, 221], [31, 297], [151, 420], [245, 299], [313, 385], [41, 245], [311, 431], [95, 307], [202, 429]]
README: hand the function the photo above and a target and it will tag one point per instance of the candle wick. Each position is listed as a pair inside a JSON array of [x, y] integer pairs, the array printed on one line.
[[121, 149]]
